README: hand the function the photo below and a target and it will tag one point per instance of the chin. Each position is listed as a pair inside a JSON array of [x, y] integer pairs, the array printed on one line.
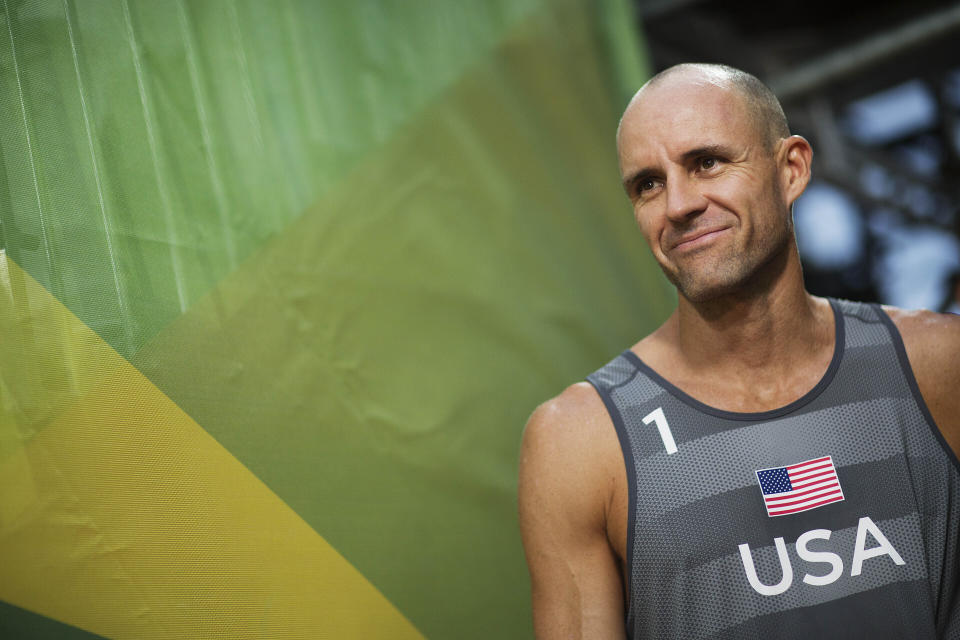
[[732, 273], [704, 285], [705, 292]]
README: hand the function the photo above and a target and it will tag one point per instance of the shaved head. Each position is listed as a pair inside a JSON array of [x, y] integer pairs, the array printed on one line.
[[763, 105], [711, 170]]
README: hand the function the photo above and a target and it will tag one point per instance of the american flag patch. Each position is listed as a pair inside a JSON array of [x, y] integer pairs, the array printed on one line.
[[800, 487]]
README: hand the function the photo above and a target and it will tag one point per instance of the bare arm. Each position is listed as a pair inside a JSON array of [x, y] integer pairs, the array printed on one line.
[[569, 466], [932, 342]]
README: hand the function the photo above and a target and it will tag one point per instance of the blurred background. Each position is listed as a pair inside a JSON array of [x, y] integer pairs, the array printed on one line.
[[280, 283], [875, 87]]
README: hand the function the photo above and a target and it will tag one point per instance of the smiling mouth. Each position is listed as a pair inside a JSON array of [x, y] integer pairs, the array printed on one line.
[[699, 239]]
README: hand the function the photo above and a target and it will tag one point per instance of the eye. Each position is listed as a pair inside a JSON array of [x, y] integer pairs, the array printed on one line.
[[646, 188], [709, 164]]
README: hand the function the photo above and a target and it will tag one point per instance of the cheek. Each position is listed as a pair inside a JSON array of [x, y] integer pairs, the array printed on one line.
[[739, 184], [732, 194], [647, 224], [651, 236]]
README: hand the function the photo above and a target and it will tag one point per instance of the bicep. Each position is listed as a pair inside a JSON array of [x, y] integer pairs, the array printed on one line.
[[577, 592], [576, 586]]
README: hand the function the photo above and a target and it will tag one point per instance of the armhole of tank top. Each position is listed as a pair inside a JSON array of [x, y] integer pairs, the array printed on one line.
[[629, 465], [898, 346]]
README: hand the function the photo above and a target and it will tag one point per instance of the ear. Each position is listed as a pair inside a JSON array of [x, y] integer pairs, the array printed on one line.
[[796, 156]]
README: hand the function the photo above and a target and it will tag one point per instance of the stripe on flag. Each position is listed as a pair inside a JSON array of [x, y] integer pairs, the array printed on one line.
[[799, 487]]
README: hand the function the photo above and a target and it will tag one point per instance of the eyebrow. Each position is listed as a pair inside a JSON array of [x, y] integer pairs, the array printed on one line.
[[692, 154], [707, 150]]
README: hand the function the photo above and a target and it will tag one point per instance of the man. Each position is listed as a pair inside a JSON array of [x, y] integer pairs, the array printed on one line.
[[766, 463]]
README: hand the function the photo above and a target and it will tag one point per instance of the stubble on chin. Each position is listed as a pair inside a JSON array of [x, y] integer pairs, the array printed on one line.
[[734, 270], [707, 283]]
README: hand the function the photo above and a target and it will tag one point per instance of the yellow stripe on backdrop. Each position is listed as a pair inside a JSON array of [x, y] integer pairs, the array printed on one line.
[[122, 516], [344, 248]]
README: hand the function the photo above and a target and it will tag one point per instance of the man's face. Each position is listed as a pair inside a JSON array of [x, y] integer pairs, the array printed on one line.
[[704, 185]]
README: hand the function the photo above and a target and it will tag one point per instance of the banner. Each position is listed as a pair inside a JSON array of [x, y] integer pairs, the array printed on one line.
[[280, 284]]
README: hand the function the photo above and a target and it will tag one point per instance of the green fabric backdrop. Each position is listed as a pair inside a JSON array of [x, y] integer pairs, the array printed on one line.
[[356, 242]]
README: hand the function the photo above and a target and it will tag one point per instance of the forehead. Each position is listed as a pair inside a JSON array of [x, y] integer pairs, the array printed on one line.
[[669, 119]]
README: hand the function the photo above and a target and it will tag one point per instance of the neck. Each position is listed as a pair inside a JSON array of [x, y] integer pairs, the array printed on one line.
[[768, 322]]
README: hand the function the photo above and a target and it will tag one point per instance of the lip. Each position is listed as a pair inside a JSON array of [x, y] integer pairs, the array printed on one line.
[[698, 239]]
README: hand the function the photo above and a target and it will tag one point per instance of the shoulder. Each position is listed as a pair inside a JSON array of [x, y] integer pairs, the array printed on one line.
[[932, 340], [575, 422], [572, 428], [573, 415], [932, 343], [568, 448]]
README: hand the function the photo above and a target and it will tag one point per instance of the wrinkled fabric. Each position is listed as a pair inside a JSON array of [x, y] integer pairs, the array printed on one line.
[[279, 285]]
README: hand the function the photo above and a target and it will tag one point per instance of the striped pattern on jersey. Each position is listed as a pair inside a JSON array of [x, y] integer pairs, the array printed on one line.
[[880, 563]]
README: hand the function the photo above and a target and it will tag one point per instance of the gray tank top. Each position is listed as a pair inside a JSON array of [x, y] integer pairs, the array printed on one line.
[[836, 516]]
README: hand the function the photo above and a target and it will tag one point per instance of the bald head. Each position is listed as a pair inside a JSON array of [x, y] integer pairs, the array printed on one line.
[[712, 171], [764, 108]]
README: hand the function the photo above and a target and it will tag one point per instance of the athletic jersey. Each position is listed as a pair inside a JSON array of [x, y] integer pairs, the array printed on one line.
[[836, 516]]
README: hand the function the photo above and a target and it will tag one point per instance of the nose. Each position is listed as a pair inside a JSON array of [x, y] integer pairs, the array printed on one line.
[[684, 198]]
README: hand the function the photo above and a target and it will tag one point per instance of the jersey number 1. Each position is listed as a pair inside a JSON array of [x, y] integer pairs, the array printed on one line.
[[656, 416]]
